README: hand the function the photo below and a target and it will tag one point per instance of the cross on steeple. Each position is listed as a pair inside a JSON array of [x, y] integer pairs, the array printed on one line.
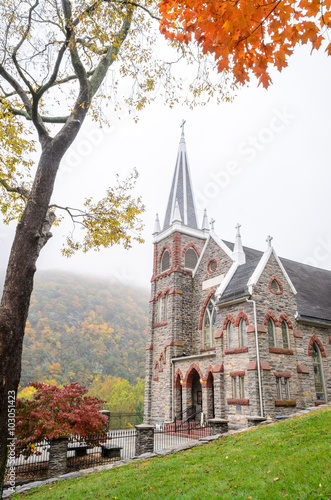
[[268, 240], [212, 222], [182, 126], [238, 226]]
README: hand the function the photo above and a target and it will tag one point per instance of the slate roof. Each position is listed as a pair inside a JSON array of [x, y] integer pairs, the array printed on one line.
[[313, 285], [181, 190]]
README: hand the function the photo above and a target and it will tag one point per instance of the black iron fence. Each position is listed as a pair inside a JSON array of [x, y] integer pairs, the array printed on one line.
[[173, 434]]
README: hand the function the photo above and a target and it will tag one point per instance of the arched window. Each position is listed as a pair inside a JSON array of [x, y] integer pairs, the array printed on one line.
[[191, 258], [159, 309], [165, 307], [209, 324], [274, 286], [230, 332], [285, 335], [271, 333], [165, 261], [242, 333], [318, 372]]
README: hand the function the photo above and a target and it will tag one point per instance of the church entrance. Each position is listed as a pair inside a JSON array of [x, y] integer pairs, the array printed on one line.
[[318, 373], [210, 396], [196, 394], [178, 399]]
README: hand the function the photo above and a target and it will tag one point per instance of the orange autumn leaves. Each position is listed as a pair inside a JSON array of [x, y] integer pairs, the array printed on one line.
[[247, 36]]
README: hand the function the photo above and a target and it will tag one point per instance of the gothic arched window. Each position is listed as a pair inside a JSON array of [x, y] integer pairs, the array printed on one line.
[[271, 333], [242, 333], [165, 261], [285, 335], [159, 309], [230, 332], [191, 258], [209, 324], [318, 372]]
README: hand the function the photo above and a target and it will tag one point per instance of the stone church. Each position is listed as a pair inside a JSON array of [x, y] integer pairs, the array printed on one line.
[[234, 333]]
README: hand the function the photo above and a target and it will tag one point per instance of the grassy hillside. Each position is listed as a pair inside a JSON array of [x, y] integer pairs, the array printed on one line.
[[289, 460], [79, 328]]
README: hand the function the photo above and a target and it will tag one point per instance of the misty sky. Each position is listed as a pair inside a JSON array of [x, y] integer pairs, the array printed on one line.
[[262, 160]]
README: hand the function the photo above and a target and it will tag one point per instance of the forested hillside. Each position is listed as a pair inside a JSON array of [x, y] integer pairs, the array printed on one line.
[[80, 329]]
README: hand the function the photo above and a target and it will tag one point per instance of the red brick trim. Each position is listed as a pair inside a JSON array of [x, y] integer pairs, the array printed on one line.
[[155, 379], [284, 317], [297, 334], [154, 260], [237, 350], [188, 245], [178, 378], [165, 247], [210, 294], [279, 350], [284, 402], [209, 380], [161, 358], [252, 365], [167, 290], [167, 273], [218, 369], [160, 369], [176, 343], [241, 373], [152, 299], [209, 349], [329, 340], [271, 315], [163, 323], [302, 369], [274, 278], [219, 334], [156, 365], [176, 244], [237, 401], [188, 376], [313, 339], [240, 316], [260, 329], [282, 374], [149, 347], [319, 403], [208, 266], [227, 319]]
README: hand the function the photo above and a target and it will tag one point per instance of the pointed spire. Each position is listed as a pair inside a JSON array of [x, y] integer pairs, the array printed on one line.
[[181, 190], [238, 251], [205, 225], [157, 226], [176, 215]]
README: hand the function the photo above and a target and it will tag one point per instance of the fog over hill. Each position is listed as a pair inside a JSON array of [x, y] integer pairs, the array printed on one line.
[[79, 328]]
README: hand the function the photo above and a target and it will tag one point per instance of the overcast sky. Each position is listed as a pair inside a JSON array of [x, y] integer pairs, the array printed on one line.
[[262, 160]]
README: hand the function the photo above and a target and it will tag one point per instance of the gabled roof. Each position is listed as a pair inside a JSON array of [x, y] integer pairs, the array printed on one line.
[[181, 191], [313, 285]]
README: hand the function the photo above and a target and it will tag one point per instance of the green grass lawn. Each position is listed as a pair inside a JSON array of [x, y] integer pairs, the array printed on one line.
[[291, 459]]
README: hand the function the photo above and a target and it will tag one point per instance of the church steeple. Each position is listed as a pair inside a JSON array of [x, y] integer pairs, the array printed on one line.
[[181, 190]]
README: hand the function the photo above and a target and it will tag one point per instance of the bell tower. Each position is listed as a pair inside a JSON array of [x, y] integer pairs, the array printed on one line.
[[177, 247]]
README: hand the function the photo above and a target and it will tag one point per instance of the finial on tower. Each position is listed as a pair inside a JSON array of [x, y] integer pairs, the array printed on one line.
[[176, 215], [238, 251], [268, 240], [157, 226], [205, 225], [182, 139]]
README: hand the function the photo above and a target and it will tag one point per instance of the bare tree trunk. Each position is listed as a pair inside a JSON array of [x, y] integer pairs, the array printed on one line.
[[32, 233]]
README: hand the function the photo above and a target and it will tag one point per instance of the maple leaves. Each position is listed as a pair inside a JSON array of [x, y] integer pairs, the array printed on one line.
[[247, 36]]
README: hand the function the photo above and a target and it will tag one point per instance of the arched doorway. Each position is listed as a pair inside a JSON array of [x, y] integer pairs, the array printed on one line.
[[318, 372], [178, 398], [193, 382], [210, 396]]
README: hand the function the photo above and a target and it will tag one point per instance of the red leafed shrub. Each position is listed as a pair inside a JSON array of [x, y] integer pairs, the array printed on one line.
[[57, 412]]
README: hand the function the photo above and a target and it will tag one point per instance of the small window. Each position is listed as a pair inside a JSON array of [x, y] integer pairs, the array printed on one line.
[[238, 387], [209, 324], [274, 286], [159, 310], [191, 259], [243, 333], [283, 388], [230, 333], [165, 261], [271, 333], [234, 387], [241, 387], [285, 335], [212, 266], [165, 307]]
